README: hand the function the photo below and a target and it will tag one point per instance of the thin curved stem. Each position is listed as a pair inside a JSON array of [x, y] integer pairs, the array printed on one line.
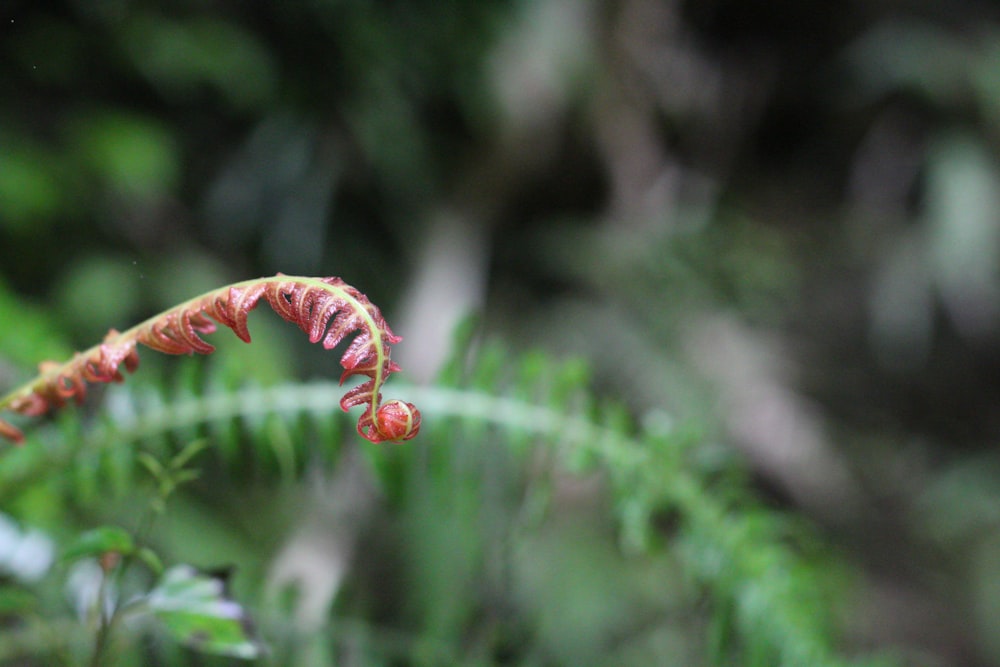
[[327, 309]]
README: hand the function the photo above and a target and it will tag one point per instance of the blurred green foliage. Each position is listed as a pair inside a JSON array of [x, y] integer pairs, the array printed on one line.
[[743, 259]]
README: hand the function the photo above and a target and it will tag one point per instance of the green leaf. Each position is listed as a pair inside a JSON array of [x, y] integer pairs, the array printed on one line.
[[151, 560], [30, 195], [189, 452], [100, 541], [133, 155], [195, 609], [17, 601], [150, 463]]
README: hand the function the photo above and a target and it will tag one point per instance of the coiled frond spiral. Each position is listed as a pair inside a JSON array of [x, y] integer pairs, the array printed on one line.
[[327, 309]]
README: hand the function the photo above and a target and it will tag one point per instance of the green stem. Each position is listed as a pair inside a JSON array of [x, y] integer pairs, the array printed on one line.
[[105, 625], [115, 577]]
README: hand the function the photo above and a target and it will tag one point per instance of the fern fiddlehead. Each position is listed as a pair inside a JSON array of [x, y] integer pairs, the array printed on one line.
[[327, 309]]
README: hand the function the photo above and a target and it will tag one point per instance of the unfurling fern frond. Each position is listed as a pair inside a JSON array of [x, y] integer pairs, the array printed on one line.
[[327, 309]]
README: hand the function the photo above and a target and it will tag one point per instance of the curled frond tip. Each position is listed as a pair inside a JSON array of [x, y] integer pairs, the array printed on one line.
[[328, 310]]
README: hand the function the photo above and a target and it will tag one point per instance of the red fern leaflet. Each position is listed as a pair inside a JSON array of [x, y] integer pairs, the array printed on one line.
[[327, 309]]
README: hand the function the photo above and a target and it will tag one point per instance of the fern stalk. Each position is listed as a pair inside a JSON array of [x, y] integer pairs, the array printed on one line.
[[327, 309]]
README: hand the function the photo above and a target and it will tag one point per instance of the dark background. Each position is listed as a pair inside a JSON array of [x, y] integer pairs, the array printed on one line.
[[779, 220]]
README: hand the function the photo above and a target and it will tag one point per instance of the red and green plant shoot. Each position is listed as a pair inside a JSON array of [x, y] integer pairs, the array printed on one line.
[[327, 309]]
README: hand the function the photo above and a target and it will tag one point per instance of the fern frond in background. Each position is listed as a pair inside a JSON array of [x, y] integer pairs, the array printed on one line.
[[738, 583], [775, 220]]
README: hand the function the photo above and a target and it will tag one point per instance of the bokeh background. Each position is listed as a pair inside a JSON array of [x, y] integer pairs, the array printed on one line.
[[776, 220]]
